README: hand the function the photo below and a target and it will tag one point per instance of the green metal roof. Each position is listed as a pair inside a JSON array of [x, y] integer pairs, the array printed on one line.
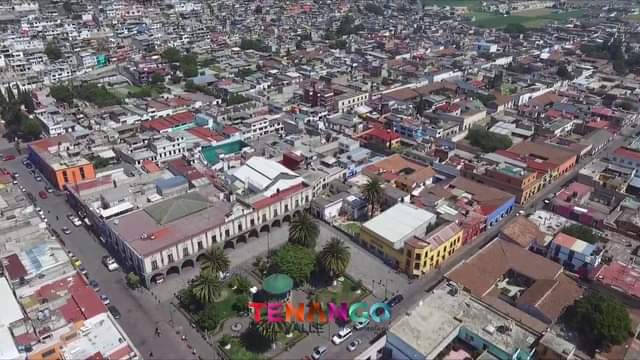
[[277, 284], [212, 153], [176, 208]]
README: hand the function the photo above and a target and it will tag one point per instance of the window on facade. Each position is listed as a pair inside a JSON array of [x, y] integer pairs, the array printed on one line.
[[264, 218], [275, 212], [416, 266], [82, 176], [185, 252], [227, 233], [297, 203], [306, 198], [286, 208], [214, 238], [65, 177], [200, 246], [154, 265], [170, 258], [252, 222], [239, 227]]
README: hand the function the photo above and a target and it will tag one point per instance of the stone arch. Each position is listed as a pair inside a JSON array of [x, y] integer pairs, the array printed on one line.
[[155, 277], [286, 218], [265, 228], [173, 270], [188, 263], [201, 257], [254, 234], [229, 244], [276, 223], [241, 239]]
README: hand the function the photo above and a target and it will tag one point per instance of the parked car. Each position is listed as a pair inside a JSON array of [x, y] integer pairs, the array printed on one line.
[[39, 210], [43, 195], [22, 188], [361, 324], [9, 157], [48, 189], [38, 178], [341, 336], [110, 263], [65, 230], [83, 270], [114, 311], [354, 345], [395, 300], [94, 285], [105, 299], [318, 351]]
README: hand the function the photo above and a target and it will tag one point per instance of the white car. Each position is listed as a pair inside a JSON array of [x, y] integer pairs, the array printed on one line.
[[110, 263], [105, 299], [318, 351], [354, 345], [75, 220], [39, 211], [341, 336], [361, 324]]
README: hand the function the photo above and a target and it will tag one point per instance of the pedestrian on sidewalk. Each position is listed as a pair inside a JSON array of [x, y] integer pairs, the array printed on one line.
[[151, 354]]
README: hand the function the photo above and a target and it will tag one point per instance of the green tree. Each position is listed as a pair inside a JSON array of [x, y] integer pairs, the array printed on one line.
[[26, 100], [31, 129], [209, 318], [600, 320], [242, 284], [372, 192], [215, 260], [207, 287], [237, 99], [133, 280], [515, 28], [334, 257], [61, 93], [488, 141], [581, 232], [171, 55], [189, 65], [253, 44], [294, 260], [157, 78], [52, 51], [304, 231], [269, 330], [374, 8], [564, 73]]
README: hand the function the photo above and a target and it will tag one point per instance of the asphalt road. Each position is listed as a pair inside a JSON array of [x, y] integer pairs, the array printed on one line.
[[141, 314]]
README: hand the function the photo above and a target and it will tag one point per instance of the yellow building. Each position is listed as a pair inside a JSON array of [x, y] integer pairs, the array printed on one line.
[[424, 254], [387, 233]]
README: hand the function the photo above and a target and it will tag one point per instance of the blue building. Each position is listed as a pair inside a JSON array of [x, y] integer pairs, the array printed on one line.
[[494, 204], [408, 128]]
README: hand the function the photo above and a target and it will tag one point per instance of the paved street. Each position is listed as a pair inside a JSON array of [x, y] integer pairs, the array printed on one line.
[[140, 312]]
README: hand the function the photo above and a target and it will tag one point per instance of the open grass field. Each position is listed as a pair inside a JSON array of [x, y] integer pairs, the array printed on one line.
[[530, 18]]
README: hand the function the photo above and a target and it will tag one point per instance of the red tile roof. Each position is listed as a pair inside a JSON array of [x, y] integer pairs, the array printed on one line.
[[150, 167], [621, 277], [14, 267], [384, 135], [170, 122], [278, 196], [206, 134], [627, 153], [230, 130]]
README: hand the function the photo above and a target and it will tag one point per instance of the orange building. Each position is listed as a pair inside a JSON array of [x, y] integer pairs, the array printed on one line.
[[54, 158]]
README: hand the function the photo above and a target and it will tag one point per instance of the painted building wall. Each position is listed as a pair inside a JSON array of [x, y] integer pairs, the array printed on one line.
[[501, 212]]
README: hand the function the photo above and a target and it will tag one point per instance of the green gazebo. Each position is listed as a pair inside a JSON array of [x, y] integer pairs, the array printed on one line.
[[278, 285]]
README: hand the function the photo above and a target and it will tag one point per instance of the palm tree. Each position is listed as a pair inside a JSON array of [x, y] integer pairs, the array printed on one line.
[[334, 257], [304, 231], [207, 286], [269, 330], [372, 191], [216, 260]]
